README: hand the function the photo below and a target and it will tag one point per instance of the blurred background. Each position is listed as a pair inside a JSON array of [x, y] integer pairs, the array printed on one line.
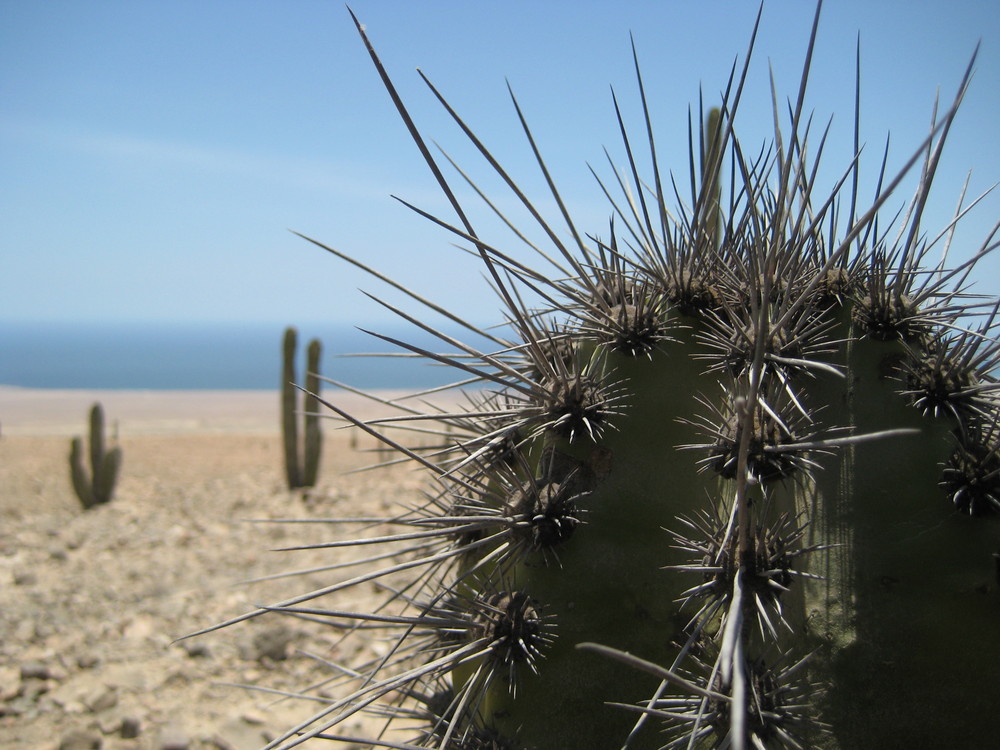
[[155, 156]]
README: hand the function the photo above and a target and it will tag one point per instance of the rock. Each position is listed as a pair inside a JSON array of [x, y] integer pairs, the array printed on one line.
[[79, 739], [10, 683], [127, 726], [32, 691], [87, 661], [25, 631], [12, 708], [101, 699], [25, 578], [196, 649], [131, 727], [172, 737], [35, 670], [237, 734], [136, 678], [251, 676], [71, 706], [272, 643], [141, 627]]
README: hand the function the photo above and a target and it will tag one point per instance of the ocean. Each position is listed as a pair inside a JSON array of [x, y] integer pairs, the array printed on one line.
[[204, 357]]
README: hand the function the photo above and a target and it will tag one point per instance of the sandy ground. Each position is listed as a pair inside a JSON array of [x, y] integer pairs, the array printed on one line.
[[92, 602], [25, 411]]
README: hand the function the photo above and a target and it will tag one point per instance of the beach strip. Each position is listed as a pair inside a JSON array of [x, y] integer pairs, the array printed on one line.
[[58, 412]]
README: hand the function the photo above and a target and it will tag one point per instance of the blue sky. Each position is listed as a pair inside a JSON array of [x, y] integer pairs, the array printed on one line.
[[155, 154]]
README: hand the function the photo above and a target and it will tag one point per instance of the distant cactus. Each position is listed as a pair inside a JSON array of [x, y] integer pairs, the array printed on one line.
[[731, 480], [99, 487], [300, 471]]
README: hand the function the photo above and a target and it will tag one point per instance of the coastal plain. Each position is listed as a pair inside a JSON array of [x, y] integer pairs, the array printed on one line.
[[92, 603]]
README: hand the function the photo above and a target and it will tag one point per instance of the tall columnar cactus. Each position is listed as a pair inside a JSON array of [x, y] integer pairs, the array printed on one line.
[[301, 455], [99, 487], [731, 477]]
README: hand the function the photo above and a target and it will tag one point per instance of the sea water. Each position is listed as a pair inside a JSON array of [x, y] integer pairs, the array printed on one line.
[[215, 356]]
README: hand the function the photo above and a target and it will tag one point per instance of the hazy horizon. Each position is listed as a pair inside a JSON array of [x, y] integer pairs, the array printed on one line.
[[129, 355]]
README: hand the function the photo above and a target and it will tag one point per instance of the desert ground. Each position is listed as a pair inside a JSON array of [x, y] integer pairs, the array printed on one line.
[[92, 603]]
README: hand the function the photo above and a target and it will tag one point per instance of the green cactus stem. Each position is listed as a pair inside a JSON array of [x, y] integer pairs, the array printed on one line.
[[99, 487], [302, 455], [312, 446], [911, 572], [727, 478], [289, 417]]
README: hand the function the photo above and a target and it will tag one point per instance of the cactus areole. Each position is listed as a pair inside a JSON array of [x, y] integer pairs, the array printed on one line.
[[729, 477]]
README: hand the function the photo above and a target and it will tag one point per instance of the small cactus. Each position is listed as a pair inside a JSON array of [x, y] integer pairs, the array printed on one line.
[[99, 487], [732, 480], [301, 456]]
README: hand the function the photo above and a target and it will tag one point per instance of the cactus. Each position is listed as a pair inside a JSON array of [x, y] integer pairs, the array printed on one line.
[[99, 488], [731, 479], [300, 472]]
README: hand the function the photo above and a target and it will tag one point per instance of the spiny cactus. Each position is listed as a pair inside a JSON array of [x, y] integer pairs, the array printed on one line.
[[99, 487], [729, 477], [300, 471]]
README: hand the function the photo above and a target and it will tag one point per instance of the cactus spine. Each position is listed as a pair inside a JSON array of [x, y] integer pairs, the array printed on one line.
[[732, 482], [300, 471], [99, 487]]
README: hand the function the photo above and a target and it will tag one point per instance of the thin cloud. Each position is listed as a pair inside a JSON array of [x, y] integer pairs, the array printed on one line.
[[133, 149]]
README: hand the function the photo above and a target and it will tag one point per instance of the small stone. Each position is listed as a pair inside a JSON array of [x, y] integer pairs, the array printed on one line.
[[108, 724], [25, 578], [71, 706], [87, 661], [102, 699], [250, 676], [273, 643], [11, 709], [196, 649], [141, 627], [173, 737], [254, 719], [35, 670], [10, 683], [25, 631], [131, 728], [238, 734], [78, 739]]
